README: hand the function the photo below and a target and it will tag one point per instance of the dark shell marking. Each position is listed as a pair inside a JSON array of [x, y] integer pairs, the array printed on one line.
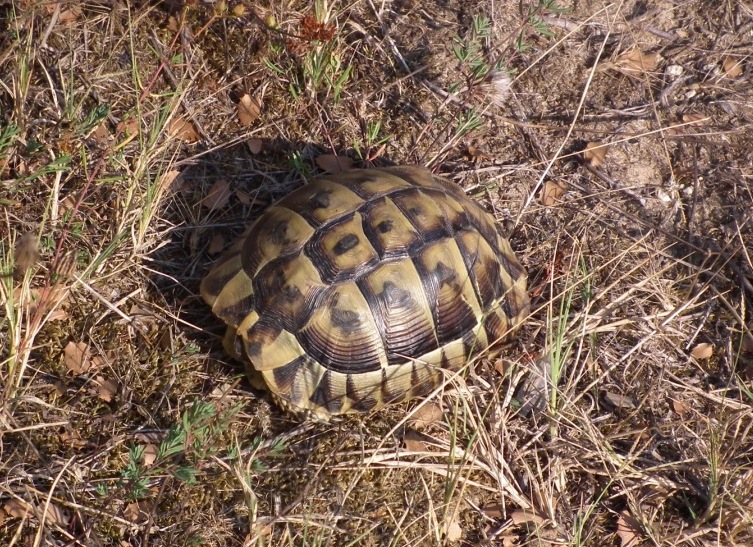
[[357, 290]]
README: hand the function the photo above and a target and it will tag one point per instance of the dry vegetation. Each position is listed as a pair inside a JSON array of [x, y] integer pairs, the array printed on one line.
[[613, 140]]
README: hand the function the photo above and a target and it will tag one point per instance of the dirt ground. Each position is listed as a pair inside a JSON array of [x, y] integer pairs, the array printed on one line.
[[611, 140]]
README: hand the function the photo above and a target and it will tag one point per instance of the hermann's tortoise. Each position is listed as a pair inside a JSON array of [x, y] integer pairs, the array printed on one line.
[[361, 288]]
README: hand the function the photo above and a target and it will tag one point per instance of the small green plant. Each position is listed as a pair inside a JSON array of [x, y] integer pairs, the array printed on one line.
[[188, 443], [535, 23], [467, 121], [372, 141], [299, 165], [471, 51], [310, 60]]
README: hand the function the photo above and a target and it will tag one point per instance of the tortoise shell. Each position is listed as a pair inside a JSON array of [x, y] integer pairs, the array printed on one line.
[[361, 288]]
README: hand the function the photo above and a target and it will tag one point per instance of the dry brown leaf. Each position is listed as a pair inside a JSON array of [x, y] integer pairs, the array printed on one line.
[[134, 512], [681, 408], [702, 351], [106, 389], [57, 315], [254, 145], [595, 153], [78, 358], [453, 531], [72, 438], [183, 130], [53, 514], [494, 510], [16, 508], [551, 194], [244, 198], [414, 445], [732, 67], [249, 109], [101, 134], [26, 253], [619, 401], [635, 61], [520, 517], [218, 195], [413, 442], [694, 119], [150, 437], [628, 530], [149, 456], [477, 154], [430, 413], [747, 344], [69, 11], [334, 164], [129, 127], [216, 244], [169, 180]]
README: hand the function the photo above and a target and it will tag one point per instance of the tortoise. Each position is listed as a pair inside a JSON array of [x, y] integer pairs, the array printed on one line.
[[363, 288]]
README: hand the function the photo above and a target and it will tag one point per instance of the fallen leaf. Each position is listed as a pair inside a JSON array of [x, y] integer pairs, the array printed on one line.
[[430, 413], [413, 442], [552, 192], [26, 253], [53, 514], [216, 244], [334, 164], [453, 531], [628, 530], [694, 119], [150, 437], [218, 195], [681, 408], [249, 109], [254, 145], [520, 517], [129, 126], [494, 510], [477, 154], [72, 438], [57, 315], [68, 14], [78, 359], [101, 134], [702, 351], [595, 152], [732, 68], [244, 198], [16, 508], [169, 180], [747, 344], [636, 60], [414, 445], [149, 456], [134, 512], [106, 389], [619, 401], [183, 130]]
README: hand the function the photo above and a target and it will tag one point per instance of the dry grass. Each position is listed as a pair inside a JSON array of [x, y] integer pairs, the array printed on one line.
[[608, 422]]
